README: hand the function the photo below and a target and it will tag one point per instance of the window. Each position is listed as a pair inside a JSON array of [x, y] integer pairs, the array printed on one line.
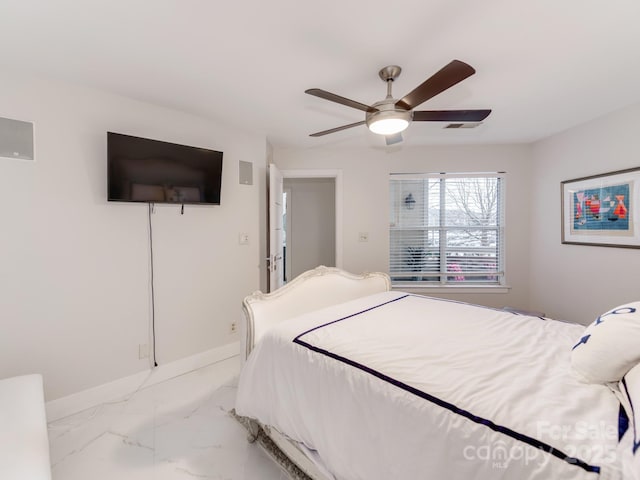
[[446, 229]]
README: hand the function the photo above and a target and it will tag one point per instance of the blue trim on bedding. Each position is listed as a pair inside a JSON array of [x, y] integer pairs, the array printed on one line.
[[437, 401], [623, 422], [636, 442], [349, 316]]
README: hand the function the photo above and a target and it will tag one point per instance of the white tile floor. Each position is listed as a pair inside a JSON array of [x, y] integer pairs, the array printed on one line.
[[175, 430]]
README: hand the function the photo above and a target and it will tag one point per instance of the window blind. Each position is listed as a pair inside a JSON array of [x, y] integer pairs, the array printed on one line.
[[447, 229]]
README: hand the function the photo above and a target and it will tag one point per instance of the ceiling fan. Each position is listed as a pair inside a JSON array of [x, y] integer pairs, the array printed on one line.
[[390, 116]]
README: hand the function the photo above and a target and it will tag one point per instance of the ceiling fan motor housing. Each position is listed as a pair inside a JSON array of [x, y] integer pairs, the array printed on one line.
[[389, 72], [390, 116]]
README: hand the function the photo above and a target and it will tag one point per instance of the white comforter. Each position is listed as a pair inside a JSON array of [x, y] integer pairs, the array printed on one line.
[[396, 386]]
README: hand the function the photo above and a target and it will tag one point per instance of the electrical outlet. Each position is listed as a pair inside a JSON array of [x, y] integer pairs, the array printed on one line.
[[233, 327], [143, 351], [243, 238]]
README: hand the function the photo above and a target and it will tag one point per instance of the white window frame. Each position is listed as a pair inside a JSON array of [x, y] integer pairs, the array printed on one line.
[[444, 284]]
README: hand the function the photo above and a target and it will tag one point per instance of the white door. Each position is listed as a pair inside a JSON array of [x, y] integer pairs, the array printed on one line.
[[275, 261]]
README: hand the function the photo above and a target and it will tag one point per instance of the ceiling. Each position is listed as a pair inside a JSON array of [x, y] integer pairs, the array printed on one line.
[[543, 66]]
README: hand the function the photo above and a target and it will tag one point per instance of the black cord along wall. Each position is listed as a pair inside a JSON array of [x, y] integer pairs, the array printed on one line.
[[153, 297]]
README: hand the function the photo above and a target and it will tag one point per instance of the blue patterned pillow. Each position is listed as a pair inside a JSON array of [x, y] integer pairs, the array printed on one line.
[[609, 347]]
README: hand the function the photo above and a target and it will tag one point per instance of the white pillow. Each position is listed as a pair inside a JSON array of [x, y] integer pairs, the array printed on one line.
[[629, 447], [609, 347]]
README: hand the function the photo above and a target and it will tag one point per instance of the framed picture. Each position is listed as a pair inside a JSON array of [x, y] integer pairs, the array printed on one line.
[[602, 209]]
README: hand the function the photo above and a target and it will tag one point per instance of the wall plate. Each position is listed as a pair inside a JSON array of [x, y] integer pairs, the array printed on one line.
[[245, 173], [16, 139]]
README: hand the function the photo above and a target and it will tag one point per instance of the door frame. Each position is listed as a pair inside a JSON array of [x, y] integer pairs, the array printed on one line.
[[337, 176], [287, 228], [275, 259]]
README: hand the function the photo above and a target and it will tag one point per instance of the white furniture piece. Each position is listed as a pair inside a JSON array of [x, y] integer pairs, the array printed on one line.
[[24, 444], [354, 381], [311, 290]]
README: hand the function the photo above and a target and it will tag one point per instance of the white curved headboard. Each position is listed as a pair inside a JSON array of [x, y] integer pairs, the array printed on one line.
[[311, 290]]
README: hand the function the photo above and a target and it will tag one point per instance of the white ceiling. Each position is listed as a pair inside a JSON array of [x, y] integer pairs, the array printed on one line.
[[542, 65]]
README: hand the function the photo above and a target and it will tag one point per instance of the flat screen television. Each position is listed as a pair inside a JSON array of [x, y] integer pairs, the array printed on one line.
[[151, 171]]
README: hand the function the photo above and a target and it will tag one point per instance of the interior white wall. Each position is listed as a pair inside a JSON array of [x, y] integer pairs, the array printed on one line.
[[366, 201], [577, 282], [311, 237], [74, 281]]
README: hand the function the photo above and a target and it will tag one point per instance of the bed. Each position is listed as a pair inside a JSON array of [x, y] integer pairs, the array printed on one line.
[[355, 381]]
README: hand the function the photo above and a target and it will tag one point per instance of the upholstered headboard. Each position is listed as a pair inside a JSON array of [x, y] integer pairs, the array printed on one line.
[[312, 290]]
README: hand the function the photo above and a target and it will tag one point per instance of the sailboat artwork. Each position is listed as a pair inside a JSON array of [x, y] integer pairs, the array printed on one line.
[[602, 209]]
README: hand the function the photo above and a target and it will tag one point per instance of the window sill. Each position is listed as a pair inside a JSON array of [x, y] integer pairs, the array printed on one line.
[[427, 289]]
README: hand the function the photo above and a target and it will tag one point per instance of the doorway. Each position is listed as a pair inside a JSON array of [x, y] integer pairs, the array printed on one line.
[[313, 198], [277, 219], [310, 224]]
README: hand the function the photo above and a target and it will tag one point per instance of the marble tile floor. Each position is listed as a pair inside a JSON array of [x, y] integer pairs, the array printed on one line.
[[179, 429]]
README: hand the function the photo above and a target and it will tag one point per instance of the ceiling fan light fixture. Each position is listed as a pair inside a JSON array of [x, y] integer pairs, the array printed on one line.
[[388, 126], [388, 122]]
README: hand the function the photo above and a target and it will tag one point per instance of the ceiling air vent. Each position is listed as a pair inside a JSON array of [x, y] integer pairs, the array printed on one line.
[[464, 125]]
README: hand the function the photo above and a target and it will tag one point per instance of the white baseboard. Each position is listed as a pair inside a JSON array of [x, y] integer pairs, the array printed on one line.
[[77, 402]]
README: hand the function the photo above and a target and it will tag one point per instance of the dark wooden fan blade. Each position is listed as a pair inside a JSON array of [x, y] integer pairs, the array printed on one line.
[[447, 77], [337, 129], [450, 115], [332, 97]]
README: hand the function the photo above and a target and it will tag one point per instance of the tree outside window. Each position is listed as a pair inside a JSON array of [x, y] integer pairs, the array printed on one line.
[[452, 232]]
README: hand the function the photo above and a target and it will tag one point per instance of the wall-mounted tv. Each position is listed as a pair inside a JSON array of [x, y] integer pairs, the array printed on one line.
[[151, 171]]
